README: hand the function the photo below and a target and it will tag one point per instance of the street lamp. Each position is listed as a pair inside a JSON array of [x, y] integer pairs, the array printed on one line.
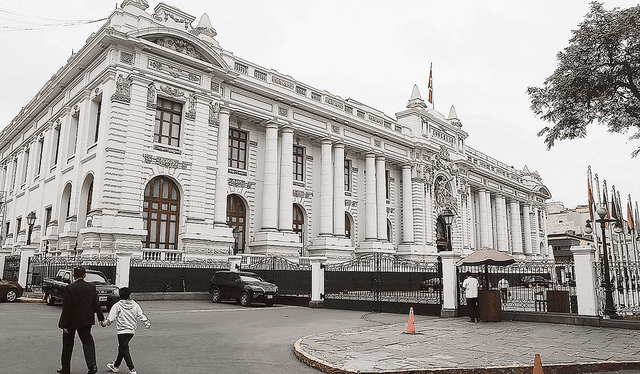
[[236, 234], [31, 220], [609, 309], [447, 216]]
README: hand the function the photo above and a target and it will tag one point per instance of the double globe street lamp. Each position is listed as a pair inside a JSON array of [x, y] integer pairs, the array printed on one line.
[[609, 308]]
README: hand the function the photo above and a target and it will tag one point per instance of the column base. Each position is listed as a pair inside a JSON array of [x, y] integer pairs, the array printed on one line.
[[331, 247], [448, 313], [316, 304], [375, 247], [269, 243]]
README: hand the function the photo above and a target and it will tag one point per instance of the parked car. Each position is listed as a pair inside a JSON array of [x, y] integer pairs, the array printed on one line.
[[431, 285], [242, 286], [536, 280], [53, 288], [10, 291]]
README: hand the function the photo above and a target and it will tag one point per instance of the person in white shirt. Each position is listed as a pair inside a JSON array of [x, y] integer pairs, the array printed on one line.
[[503, 285], [125, 313], [470, 287]]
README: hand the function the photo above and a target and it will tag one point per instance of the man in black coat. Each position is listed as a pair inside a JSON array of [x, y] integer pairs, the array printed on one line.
[[79, 305]]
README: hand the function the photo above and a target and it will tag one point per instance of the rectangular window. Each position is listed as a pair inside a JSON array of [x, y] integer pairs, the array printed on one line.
[[47, 219], [18, 226], [8, 228], [168, 121], [387, 176], [40, 151], [96, 111], [298, 163], [56, 149], [25, 170], [237, 149], [73, 134], [347, 175], [15, 172]]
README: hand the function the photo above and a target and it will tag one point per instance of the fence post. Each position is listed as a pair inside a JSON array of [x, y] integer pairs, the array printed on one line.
[[3, 256], [123, 269], [25, 254], [317, 282], [586, 280], [449, 284], [235, 262]]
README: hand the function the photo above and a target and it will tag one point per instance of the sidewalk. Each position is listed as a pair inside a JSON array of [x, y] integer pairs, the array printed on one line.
[[453, 345]]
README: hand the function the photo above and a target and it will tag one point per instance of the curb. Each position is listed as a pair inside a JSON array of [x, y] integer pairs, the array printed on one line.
[[594, 367], [29, 300]]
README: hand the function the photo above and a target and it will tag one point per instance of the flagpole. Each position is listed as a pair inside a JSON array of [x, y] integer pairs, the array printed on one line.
[[624, 249], [592, 210], [632, 226]]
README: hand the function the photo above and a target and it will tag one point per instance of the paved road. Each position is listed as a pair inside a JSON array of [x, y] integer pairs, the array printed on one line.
[[185, 337]]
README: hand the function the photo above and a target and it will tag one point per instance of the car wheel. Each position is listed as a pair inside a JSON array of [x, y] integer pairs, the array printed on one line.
[[215, 296], [50, 299], [11, 295], [245, 299]]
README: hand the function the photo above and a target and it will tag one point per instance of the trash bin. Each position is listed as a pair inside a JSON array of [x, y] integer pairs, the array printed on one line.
[[489, 306]]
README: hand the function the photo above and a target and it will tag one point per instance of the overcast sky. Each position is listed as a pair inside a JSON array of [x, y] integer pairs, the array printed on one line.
[[484, 53]]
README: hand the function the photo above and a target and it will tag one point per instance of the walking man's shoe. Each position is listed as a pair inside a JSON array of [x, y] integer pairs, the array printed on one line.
[[112, 367], [62, 371], [93, 370]]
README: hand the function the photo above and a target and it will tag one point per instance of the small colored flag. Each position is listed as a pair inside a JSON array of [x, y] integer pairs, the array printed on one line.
[[630, 216], [431, 83], [591, 202]]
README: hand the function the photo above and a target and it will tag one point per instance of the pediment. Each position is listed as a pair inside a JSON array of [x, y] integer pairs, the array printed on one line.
[[177, 44]]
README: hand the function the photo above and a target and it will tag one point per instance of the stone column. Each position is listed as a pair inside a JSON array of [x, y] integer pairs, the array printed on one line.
[[407, 205], [338, 190], [381, 188], [484, 225], [317, 282], [584, 259], [516, 227], [526, 210], [501, 224], [370, 204], [123, 269], [25, 254], [489, 221], [286, 181], [449, 284], [535, 228], [222, 174], [270, 187], [235, 262], [326, 190]]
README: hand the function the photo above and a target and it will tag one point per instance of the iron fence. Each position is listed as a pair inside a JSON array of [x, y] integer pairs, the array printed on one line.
[[625, 286], [292, 278], [41, 268], [11, 268], [528, 286]]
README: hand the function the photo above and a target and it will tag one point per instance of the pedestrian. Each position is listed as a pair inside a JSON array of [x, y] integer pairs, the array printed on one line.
[[80, 303], [503, 285], [470, 287], [125, 313]]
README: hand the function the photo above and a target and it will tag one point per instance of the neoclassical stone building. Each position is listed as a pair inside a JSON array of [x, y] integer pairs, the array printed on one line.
[[155, 140]]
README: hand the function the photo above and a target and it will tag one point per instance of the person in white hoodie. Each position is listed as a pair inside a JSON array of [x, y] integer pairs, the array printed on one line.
[[125, 313]]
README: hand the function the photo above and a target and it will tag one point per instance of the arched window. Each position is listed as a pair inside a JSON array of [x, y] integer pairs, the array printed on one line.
[[347, 225], [160, 214], [89, 197], [389, 230], [236, 217], [298, 219]]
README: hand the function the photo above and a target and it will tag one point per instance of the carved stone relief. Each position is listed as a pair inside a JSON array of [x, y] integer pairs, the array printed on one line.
[[123, 89]]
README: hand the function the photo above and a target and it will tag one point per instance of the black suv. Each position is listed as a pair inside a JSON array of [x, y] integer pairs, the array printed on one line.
[[242, 286]]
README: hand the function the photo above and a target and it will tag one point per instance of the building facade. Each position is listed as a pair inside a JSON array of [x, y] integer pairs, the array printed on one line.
[[156, 141]]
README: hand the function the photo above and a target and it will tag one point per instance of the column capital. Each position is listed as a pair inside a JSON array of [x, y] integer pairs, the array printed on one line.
[[286, 128], [407, 166], [338, 144]]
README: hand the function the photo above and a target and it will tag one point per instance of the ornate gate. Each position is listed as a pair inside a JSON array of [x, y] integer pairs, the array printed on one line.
[[293, 279], [11, 268], [382, 282]]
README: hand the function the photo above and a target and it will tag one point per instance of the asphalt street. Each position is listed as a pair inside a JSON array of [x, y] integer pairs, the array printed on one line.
[[185, 337]]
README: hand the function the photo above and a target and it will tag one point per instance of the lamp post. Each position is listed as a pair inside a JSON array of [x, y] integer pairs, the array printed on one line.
[[31, 220], [609, 309], [236, 234], [447, 216]]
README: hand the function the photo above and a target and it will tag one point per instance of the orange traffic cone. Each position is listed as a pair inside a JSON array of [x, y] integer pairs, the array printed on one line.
[[537, 366], [411, 326]]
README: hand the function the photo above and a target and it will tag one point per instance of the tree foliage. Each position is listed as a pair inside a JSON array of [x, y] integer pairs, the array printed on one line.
[[597, 78]]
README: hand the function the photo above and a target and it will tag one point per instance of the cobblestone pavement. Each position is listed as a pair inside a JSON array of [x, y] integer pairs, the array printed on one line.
[[453, 345]]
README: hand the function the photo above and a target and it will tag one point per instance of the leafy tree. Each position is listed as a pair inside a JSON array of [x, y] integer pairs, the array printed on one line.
[[597, 78]]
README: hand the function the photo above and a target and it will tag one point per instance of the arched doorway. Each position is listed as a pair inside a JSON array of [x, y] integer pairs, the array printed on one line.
[[443, 235], [236, 217], [160, 213], [298, 224]]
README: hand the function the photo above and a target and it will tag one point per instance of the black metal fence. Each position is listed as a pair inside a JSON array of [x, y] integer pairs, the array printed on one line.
[[41, 268], [528, 286], [173, 276], [293, 279], [11, 268], [625, 288], [384, 283]]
